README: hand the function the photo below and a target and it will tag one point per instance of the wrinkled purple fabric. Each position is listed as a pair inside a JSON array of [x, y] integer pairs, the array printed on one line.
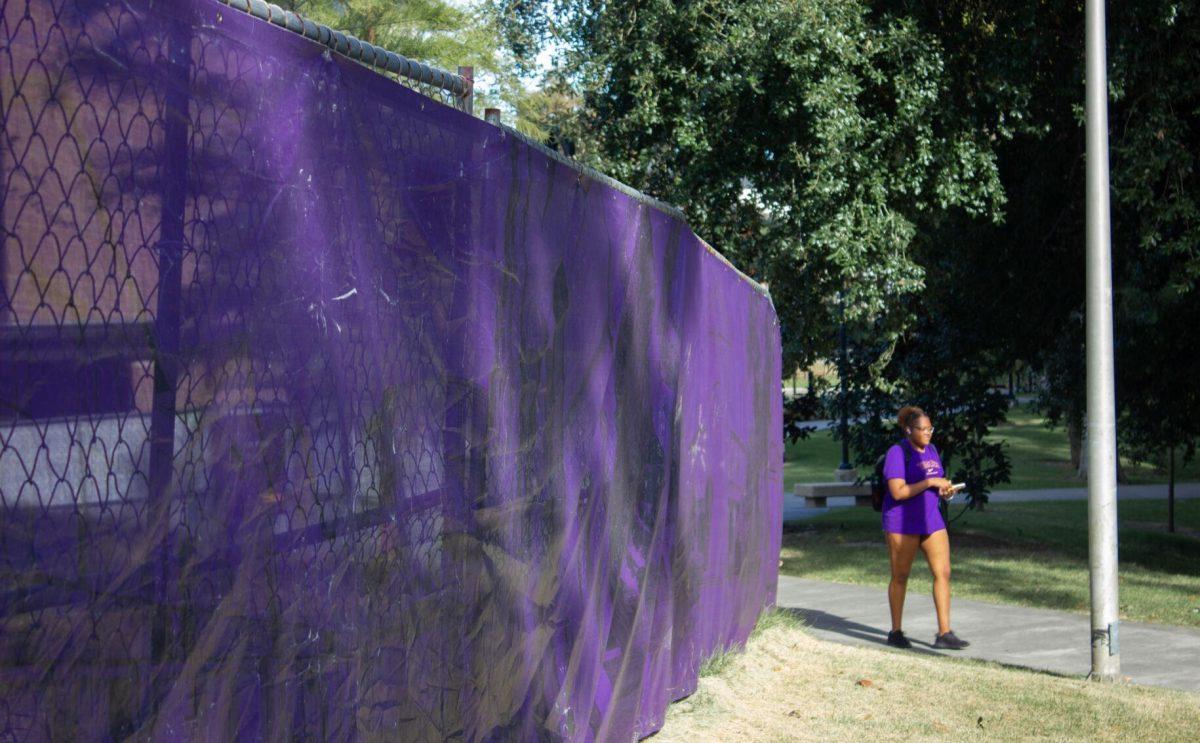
[[330, 412]]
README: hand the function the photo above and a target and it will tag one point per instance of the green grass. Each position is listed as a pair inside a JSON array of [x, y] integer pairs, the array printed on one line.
[[776, 617], [770, 619], [717, 662], [1029, 554], [1041, 458], [811, 460]]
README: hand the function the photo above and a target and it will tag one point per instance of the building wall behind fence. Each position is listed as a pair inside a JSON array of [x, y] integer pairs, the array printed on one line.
[[328, 411]]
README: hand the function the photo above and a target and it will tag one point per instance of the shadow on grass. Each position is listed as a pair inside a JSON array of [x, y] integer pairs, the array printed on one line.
[[1012, 584], [1005, 578], [1048, 530]]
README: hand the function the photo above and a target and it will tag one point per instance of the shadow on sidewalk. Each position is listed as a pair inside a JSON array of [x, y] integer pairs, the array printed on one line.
[[826, 622], [867, 635]]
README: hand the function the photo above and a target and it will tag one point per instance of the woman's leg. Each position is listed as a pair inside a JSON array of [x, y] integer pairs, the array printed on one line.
[[937, 551], [902, 548]]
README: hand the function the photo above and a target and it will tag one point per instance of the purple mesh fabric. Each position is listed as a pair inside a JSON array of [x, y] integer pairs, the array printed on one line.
[[329, 412]]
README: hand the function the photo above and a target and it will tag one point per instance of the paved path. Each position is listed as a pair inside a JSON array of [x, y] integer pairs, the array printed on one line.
[[1124, 492], [794, 508], [1042, 639]]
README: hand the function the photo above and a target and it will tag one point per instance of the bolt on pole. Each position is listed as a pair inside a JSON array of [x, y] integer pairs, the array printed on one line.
[[1101, 406]]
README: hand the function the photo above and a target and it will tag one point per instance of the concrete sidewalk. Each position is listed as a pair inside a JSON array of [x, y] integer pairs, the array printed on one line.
[[1124, 492], [794, 508], [1041, 639]]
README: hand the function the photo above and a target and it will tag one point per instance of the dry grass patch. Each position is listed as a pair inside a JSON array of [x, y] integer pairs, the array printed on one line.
[[788, 685]]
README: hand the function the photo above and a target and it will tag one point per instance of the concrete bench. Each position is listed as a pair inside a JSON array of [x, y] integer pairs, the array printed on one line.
[[815, 494]]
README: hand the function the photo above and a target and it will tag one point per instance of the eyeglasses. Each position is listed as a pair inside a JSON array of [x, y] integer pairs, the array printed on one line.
[[926, 429]]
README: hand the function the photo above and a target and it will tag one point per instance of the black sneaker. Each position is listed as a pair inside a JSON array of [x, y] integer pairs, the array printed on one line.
[[897, 639], [949, 641]]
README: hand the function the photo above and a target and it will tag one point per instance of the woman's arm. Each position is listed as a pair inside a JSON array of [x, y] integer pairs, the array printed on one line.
[[903, 491]]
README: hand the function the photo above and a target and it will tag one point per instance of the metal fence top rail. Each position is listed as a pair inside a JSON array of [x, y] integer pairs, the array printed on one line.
[[361, 51], [651, 201]]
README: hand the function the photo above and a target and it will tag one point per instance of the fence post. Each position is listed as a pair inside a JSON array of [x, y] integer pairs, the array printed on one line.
[[468, 73], [165, 351]]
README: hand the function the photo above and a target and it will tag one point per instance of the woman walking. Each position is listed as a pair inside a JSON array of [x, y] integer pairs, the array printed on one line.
[[911, 520]]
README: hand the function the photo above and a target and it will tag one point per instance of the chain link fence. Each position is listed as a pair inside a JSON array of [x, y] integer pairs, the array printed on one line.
[[329, 412]]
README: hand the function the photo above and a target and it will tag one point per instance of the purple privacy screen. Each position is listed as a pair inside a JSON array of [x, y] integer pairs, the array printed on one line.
[[329, 412]]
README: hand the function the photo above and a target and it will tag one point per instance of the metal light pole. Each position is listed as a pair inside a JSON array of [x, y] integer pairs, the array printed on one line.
[[1101, 407]]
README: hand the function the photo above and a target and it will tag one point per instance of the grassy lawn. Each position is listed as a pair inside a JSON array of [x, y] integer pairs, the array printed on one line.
[[811, 460], [1030, 554], [1040, 456], [788, 685]]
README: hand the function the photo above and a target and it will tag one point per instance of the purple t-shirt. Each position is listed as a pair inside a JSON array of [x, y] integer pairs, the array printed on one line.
[[919, 514]]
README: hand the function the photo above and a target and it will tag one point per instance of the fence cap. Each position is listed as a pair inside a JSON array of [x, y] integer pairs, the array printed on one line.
[[461, 86]]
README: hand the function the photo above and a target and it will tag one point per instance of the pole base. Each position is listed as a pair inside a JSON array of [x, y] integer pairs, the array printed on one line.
[[1108, 678]]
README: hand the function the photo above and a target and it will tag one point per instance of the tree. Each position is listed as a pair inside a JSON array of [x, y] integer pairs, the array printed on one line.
[[955, 389], [1024, 62], [1158, 417], [1156, 199], [1012, 290], [802, 139], [906, 148]]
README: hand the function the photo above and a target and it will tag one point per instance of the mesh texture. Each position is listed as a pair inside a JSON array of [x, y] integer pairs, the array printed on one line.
[[328, 411]]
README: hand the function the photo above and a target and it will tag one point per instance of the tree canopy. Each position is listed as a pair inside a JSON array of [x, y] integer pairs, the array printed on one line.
[[806, 140], [914, 169]]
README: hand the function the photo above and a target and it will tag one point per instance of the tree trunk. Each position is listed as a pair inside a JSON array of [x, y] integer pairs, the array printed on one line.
[[1075, 438], [1171, 492]]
